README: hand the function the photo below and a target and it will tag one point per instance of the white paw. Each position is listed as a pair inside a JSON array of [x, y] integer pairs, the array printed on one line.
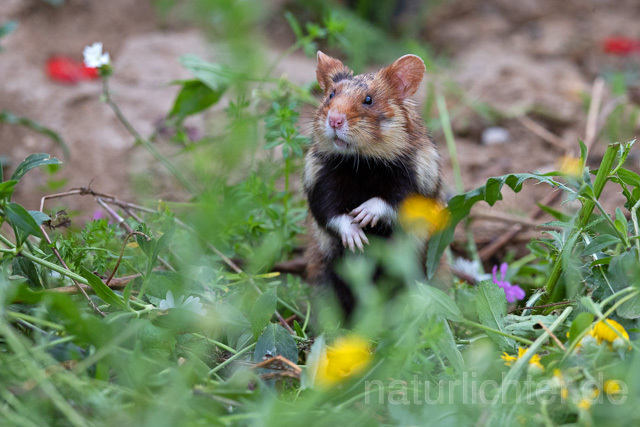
[[351, 235], [371, 212]]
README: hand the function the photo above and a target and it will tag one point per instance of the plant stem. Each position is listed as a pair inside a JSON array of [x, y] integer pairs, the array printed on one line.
[[55, 267], [497, 331], [583, 218], [451, 144], [142, 141], [232, 358], [216, 343], [32, 319]]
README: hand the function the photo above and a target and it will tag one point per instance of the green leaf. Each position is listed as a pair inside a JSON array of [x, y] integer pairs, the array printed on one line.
[[193, 98], [459, 207], [560, 216], [262, 311], [154, 340], [599, 243], [33, 161], [39, 217], [103, 291], [274, 341], [216, 76], [629, 177], [317, 353], [22, 221], [433, 301], [6, 189], [579, 324], [491, 304], [26, 268], [447, 345]]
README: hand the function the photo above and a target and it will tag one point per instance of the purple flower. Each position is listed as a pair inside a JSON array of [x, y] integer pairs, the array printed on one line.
[[513, 292]]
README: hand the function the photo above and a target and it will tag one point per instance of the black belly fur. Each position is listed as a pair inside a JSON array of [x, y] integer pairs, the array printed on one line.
[[345, 182]]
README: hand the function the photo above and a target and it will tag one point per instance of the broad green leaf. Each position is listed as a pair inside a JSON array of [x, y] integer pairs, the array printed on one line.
[[103, 291], [39, 217], [216, 76], [154, 340], [33, 161], [26, 268], [599, 243], [262, 311], [6, 189], [274, 341], [433, 301], [629, 177], [22, 220], [630, 309], [447, 345], [491, 304], [527, 326], [193, 98], [579, 324]]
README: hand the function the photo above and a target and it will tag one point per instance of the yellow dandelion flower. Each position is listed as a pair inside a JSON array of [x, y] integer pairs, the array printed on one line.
[[612, 387], [569, 165], [584, 404], [604, 331], [534, 361], [348, 356], [423, 216], [508, 360]]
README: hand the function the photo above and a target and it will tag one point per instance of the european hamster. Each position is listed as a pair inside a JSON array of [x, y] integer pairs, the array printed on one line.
[[370, 150]]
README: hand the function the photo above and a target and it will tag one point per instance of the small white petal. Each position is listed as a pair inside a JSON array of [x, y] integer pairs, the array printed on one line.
[[93, 56], [168, 302]]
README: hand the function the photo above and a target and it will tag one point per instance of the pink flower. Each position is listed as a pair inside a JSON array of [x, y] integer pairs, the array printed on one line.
[[513, 292]]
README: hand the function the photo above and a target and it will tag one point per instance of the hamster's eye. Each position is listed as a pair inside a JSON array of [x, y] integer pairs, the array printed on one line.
[[332, 94], [367, 100]]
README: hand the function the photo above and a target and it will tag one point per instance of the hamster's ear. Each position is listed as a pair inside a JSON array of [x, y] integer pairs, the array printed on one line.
[[405, 75], [330, 70]]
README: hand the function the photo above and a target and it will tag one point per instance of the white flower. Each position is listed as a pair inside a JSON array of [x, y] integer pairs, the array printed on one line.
[[93, 56], [192, 304], [470, 268]]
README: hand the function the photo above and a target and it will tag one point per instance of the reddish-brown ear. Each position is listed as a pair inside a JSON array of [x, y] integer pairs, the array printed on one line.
[[328, 68], [405, 74]]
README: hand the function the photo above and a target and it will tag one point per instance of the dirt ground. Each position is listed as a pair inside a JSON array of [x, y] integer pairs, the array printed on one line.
[[531, 58]]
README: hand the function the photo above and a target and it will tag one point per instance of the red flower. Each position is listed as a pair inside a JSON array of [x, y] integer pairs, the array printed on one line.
[[66, 70], [621, 45]]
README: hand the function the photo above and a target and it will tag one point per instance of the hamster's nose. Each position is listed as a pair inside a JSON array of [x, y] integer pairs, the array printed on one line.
[[336, 120]]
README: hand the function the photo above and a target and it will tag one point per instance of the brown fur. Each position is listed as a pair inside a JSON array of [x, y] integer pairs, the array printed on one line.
[[388, 131]]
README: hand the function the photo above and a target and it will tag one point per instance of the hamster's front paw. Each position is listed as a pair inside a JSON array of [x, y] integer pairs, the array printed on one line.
[[371, 212], [351, 234]]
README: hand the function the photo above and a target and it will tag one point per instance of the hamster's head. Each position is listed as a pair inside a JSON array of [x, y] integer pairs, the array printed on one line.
[[366, 114]]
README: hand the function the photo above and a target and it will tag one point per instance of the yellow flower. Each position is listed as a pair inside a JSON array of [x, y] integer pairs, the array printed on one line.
[[534, 361], [570, 165], [584, 404], [612, 387], [558, 379], [604, 331], [348, 356], [423, 216]]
